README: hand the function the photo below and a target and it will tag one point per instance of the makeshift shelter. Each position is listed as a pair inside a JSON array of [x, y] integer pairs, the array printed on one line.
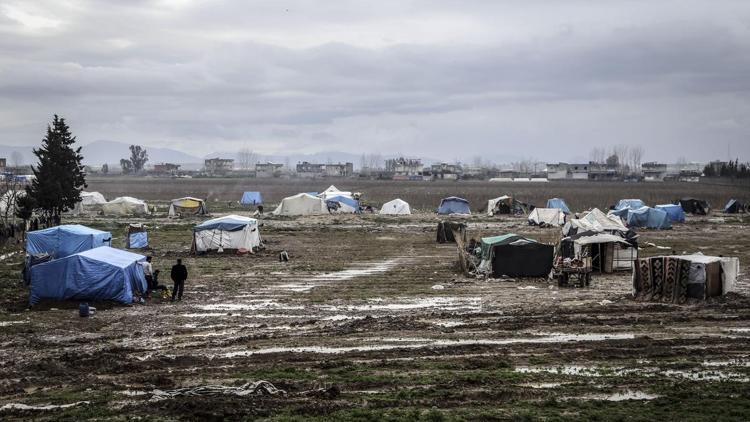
[[648, 217], [630, 204], [506, 205], [91, 202], [674, 212], [395, 207], [301, 204], [595, 221], [103, 273], [559, 204], [694, 206], [454, 205], [65, 240], [677, 278], [228, 232], [342, 205], [734, 206], [125, 205], [251, 198], [187, 206], [136, 237], [546, 217], [512, 255], [446, 230], [608, 252], [332, 192]]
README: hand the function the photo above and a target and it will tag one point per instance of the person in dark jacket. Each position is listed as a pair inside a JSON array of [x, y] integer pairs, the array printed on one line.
[[179, 275]]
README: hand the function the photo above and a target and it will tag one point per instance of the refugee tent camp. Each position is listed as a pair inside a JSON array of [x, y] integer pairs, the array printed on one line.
[[648, 217], [65, 240], [125, 205], [454, 205], [342, 205], [506, 205], [251, 198], [332, 192], [395, 207], [677, 278], [229, 232], [187, 206], [674, 212], [136, 237], [512, 255], [734, 206], [91, 202], [595, 221], [301, 204], [629, 204], [102, 273], [608, 252], [694, 206], [546, 217]]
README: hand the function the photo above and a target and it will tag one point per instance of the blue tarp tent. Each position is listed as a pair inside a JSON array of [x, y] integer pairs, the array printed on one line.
[[558, 203], [648, 217], [631, 204], [103, 273], [675, 212], [454, 205], [62, 241], [251, 198], [345, 204], [623, 213]]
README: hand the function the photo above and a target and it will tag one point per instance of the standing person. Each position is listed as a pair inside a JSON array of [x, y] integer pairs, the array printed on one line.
[[148, 271], [179, 275]]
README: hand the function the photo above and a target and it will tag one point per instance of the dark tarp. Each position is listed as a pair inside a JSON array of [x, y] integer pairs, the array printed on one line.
[[515, 256], [693, 206], [734, 206], [445, 231]]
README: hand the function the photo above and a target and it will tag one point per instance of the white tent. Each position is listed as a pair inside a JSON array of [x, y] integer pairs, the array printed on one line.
[[228, 232], [396, 207], [493, 202], [90, 202], [187, 206], [595, 221], [547, 217], [333, 191], [125, 205], [301, 204]]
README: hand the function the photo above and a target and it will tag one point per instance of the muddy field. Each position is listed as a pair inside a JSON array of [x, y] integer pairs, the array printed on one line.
[[370, 321]]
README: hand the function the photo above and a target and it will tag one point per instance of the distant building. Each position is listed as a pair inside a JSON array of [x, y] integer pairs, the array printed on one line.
[[446, 171], [339, 170], [716, 166], [3, 165], [166, 168], [404, 168], [654, 172], [582, 171], [268, 169], [599, 171], [556, 171], [218, 166]]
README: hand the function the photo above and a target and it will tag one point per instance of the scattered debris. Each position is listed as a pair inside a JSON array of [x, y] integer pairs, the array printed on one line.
[[250, 388], [438, 287], [21, 406]]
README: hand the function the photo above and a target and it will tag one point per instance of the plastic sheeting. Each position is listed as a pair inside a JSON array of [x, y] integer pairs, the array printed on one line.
[[125, 205], [342, 205], [103, 273], [595, 221], [229, 232], [138, 240], [454, 205], [675, 212], [631, 204], [251, 198], [91, 202], [395, 207], [301, 204], [66, 240], [647, 217], [187, 205], [559, 204], [547, 217]]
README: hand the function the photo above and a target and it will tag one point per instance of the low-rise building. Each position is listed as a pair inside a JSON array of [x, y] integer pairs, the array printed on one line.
[[166, 168], [268, 169], [654, 172], [446, 171], [339, 170], [218, 166], [404, 168]]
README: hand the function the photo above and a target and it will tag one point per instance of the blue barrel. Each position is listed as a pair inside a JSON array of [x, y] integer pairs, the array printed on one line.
[[83, 309]]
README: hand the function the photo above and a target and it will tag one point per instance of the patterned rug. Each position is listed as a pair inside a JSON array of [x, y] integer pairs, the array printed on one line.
[[662, 279]]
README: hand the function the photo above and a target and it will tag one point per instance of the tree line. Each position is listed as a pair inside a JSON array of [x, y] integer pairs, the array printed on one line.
[[733, 169]]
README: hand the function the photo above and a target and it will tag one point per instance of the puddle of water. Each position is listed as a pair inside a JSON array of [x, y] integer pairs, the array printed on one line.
[[541, 385], [593, 371], [416, 343], [728, 362], [368, 269], [623, 396], [261, 304], [8, 323], [21, 406], [442, 303]]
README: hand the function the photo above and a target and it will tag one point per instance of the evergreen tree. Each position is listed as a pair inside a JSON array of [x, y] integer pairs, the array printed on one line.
[[60, 175]]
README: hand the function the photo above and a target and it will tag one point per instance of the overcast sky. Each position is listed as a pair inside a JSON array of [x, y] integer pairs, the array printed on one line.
[[439, 78]]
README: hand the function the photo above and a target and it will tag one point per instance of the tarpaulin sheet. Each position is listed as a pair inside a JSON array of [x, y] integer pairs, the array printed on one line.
[[62, 241], [559, 204], [251, 198], [674, 212], [103, 273], [138, 240], [648, 217], [632, 204], [227, 223], [454, 205]]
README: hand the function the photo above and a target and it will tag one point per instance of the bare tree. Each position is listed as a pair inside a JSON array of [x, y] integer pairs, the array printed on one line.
[[16, 158], [11, 189], [636, 155], [246, 158], [598, 155]]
